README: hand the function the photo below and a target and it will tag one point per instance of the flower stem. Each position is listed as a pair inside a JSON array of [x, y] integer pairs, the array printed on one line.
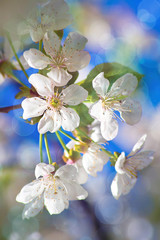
[[40, 147], [108, 153], [7, 109], [15, 54], [17, 80], [40, 45], [61, 141], [47, 149], [67, 135]]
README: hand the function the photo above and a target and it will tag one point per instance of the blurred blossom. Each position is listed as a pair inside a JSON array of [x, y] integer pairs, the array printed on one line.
[[111, 211], [28, 155], [139, 229]]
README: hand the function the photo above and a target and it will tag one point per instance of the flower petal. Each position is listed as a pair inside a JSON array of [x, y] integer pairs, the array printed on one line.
[[109, 126], [74, 41], [82, 175], [74, 94], [59, 76], [33, 208], [100, 84], [94, 162], [139, 145], [56, 15], [30, 191], [70, 119], [75, 191], [33, 107], [50, 122], [56, 199], [119, 166], [36, 32], [141, 160], [122, 184], [51, 43], [23, 61], [96, 110], [43, 85], [36, 59], [132, 111], [68, 172], [124, 85], [77, 60], [43, 169]]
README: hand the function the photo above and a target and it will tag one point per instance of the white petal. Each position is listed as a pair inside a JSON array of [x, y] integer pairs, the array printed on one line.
[[56, 199], [59, 76], [95, 132], [43, 169], [78, 60], [50, 122], [122, 184], [33, 107], [96, 110], [51, 43], [119, 166], [141, 160], [43, 85], [68, 172], [71, 144], [74, 41], [82, 175], [36, 32], [132, 111], [36, 59], [94, 162], [30, 191], [56, 15], [33, 208], [100, 84], [124, 86], [75, 191], [2, 78], [139, 145], [23, 61], [109, 126], [74, 94], [70, 119]]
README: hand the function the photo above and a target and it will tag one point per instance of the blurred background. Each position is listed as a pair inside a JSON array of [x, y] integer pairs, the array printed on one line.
[[121, 31]]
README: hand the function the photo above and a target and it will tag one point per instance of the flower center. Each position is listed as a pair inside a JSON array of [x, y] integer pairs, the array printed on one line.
[[54, 102], [59, 61]]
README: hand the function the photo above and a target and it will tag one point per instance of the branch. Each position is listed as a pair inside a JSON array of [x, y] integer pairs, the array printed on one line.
[[10, 108]]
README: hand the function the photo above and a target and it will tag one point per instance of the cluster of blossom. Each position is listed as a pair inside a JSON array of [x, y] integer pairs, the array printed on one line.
[[52, 101]]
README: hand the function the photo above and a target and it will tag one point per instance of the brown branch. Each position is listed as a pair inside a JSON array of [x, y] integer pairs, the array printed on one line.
[[10, 108]]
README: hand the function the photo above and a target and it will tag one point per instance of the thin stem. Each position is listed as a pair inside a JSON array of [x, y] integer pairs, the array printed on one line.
[[40, 147], [15, 54], [108, 153], [61, 141], [17, 80], [7, 109], [67, 135], [47, 149], [40, 45]]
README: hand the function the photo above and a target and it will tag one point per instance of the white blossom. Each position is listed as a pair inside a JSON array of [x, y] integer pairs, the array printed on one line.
[[127, 168], [91, 162], [52, 105], [95, 132], [115, 99], [53, 15], [52, 189], [59, 59]]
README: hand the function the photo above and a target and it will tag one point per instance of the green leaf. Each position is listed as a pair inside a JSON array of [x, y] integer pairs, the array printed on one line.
[[59, 33], [74, 77], [112, 71], [82, 111], [33, 120], [24, 92]]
